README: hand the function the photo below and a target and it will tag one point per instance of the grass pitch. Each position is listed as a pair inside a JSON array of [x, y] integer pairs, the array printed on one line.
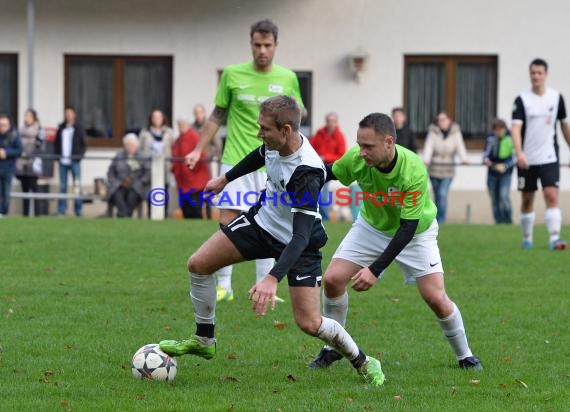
[[79, 297]]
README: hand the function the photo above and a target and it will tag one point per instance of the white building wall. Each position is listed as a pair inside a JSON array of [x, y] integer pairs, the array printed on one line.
[[315, 35]]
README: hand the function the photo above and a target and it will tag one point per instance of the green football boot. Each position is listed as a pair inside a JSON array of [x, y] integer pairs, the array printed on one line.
[[371, 371], [191, 346]]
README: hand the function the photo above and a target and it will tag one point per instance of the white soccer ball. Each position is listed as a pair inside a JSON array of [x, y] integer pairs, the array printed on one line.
[[149, 362]]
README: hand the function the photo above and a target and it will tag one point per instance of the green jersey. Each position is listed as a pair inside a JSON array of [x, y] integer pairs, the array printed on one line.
[[241, 90], [403, 193]]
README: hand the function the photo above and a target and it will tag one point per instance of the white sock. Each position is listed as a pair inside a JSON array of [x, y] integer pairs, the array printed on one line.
[[553, 220], [263, 267], [527, 225], [336, 308], [454, 331], [203, 295], [224, 276], [334, 335]]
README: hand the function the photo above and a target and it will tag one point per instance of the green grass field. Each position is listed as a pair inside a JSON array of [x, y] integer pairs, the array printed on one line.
[[78, 297]]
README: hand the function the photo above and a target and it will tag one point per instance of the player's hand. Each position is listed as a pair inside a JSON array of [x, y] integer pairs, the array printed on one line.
[[192, 158], [500, 168], [262, 294], [522, 161], [363, 280], [216, 185]]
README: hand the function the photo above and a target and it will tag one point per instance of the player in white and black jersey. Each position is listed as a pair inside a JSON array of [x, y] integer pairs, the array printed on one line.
[[535, 115], [285, 225]]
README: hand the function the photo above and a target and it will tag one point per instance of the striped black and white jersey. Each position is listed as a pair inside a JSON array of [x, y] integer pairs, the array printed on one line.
[[538, 116], [293, 185]]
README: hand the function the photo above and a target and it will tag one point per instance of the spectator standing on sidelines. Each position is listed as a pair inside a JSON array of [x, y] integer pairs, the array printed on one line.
[[444, 142], [10, 150], [70, 146], [498, 156], [188, 180], [28, 167], [406, 137]]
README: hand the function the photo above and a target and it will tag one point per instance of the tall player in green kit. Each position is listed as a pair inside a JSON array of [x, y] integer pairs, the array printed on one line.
[[396, 222], [242, 88]]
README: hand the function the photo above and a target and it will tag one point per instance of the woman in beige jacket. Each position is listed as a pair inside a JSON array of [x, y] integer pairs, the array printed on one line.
[[444, 142]]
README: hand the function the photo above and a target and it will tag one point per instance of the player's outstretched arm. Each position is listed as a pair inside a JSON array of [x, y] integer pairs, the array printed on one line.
[[216, 185], [210, 129]]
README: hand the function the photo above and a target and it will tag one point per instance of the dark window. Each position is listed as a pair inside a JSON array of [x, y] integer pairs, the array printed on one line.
[[306, 86], [9, 86], [114, 95], [464, 86]]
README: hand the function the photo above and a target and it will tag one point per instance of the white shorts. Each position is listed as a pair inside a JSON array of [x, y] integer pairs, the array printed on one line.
[[363, 244], [234, 196]]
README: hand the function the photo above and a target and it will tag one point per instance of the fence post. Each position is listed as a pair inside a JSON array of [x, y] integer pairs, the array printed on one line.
[[157, 182]]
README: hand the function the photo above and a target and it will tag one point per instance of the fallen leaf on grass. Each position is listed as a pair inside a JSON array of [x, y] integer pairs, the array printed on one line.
[[231, 379], [524, 385], [398, 397], [232, 356], [503, 385], [167, 328], [348, 400], [278, 325], [291, 378], [475, 381]]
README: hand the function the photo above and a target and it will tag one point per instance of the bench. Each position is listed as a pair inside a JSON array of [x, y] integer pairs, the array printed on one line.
[[85, 197]]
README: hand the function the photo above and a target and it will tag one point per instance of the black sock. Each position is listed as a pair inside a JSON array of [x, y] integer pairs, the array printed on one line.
[[205, 330], [359, 360]]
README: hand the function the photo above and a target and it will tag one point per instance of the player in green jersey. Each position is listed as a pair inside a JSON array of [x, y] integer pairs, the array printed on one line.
[[242, 88], [397, 222]]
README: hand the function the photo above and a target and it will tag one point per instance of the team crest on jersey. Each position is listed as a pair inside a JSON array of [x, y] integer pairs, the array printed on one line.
[[394, 191], [275, 88]]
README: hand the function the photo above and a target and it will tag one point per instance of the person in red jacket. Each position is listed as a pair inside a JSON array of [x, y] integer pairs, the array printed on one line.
[[329, 142], [190, 183]]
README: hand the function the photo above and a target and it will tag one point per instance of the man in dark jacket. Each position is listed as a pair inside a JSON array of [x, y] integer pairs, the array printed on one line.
[[128, 177], [70, 146], [10, 150], [404, 136]]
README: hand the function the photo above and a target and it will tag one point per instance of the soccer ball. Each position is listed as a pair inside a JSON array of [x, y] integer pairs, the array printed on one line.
[[149, 362]]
